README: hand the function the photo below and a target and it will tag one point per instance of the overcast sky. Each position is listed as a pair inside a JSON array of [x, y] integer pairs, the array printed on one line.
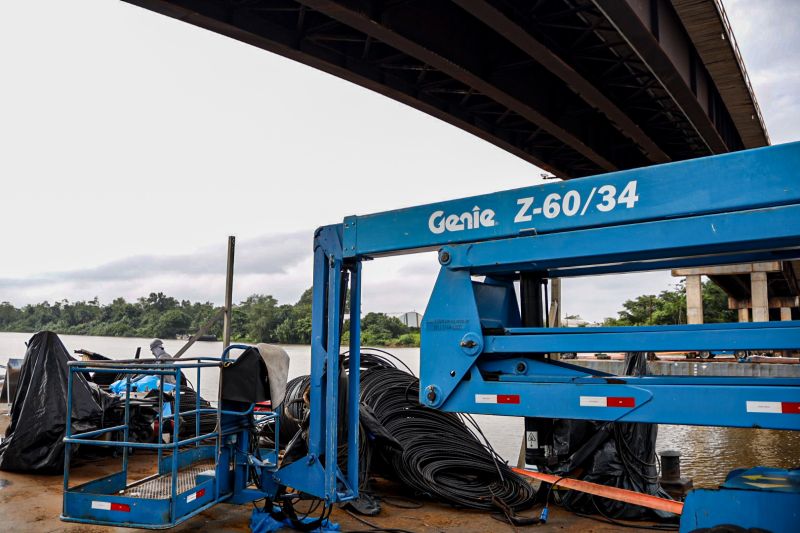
[[132, 144]]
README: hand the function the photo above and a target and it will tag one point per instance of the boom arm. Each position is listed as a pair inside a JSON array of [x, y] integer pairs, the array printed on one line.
[[476, 356]]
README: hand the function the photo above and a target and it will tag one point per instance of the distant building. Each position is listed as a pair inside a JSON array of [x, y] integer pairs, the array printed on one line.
[[575, 321], [410, 319]]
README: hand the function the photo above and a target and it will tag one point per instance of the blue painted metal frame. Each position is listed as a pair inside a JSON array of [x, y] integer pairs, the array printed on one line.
[[760, 498], [472, 348], [750, 179], [100, 501], [316, 474], [739, 207], [736, 207], [710, 239]]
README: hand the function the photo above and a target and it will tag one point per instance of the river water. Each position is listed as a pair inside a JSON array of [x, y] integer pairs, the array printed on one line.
[[709, 453]]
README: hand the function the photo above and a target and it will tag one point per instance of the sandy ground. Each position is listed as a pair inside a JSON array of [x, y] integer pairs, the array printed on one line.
[[33, 503]]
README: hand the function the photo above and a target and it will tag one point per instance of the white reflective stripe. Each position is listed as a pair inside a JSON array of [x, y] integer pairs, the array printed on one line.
[[594, 401], [486, 398], [106, 506], [191, 497], [764, 407]]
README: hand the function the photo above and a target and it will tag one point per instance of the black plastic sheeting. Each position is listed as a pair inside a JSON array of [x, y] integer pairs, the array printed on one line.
[[245, 379], [619, 455], [33, 440]]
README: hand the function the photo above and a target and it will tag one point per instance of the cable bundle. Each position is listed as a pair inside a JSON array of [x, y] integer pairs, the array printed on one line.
[[440, 456], [433, 452], [294, 407], [208, 421]]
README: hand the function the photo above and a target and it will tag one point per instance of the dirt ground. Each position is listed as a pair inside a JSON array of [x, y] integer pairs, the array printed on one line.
[[33, 503]]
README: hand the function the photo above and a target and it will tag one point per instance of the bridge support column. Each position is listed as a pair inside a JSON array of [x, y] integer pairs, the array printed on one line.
[[744, 314], [758, 291], [694, 299]]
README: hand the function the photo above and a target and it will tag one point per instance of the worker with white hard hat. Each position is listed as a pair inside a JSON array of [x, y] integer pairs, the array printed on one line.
[[157, 348], [158, 351]]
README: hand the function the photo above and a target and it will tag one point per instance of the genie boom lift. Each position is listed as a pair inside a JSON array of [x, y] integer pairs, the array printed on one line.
[[479, 355]]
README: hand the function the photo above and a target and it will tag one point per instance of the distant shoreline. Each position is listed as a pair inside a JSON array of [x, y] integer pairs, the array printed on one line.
[[258, 318], [146, 340]]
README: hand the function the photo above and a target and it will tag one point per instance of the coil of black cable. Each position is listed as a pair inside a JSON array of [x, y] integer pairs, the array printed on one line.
[[440, 455]]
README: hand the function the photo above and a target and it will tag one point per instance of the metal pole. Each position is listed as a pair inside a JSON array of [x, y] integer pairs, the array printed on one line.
[[555, 303], [531, 304], [226, 326], [200, 332]]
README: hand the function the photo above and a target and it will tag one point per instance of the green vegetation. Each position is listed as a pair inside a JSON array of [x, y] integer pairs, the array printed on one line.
[[669, 307], [259, 318], [378, 329]]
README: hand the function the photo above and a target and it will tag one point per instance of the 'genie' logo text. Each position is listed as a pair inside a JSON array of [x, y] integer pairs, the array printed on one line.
[[439, 222]]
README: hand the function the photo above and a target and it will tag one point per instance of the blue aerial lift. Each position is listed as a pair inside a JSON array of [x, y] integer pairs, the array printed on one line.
[[478, 357]]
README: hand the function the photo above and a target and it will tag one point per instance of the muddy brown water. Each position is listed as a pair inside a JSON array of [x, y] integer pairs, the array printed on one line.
[[708, 453]]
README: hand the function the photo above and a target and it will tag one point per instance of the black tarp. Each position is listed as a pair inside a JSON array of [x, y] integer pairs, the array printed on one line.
[[33, 440], [614, 454], [245, 379]]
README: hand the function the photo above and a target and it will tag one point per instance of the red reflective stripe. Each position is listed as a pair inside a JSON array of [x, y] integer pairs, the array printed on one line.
[[201, 493], [790, 408], [263, 406], [121, 507], [620, 401], [508, 398]]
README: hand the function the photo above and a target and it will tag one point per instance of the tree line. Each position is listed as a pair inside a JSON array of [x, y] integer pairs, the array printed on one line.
[[259, 318], [669, 307]]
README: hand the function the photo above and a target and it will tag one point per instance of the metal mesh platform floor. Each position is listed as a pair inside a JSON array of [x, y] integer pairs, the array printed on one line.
[[159, 488]]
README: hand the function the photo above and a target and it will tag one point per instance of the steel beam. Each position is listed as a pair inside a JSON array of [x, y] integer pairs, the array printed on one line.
[[363, 22], [554, 83], [622, 16], [503, 25], [714, 237], [237, 23], [717, 184], [699, 337]]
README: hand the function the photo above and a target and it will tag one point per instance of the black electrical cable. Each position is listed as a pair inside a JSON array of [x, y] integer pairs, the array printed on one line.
[[376, 358], [440, 456]]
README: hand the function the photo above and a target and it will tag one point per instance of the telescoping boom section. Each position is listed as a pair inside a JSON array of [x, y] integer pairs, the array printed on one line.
[[481, 354]]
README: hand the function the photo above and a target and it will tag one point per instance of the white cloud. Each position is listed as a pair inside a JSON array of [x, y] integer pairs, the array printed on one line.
[[766, 32]]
